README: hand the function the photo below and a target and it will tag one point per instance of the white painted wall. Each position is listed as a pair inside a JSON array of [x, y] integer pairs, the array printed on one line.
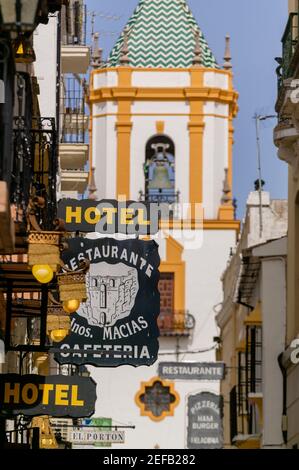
[[104, 155], [205, 256], [107, 79], [161, 79], [176, 117], [273, 299], [215, 156], [217, 80], [161, 109], [211, 107], [117, 387], [45, 46]]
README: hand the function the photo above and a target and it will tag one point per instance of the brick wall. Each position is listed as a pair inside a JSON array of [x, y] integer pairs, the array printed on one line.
[[166, 288]]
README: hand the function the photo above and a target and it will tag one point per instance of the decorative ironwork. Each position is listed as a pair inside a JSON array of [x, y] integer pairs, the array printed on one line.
[[35, 170], [243, 414], [177, 323], [247, 282], [160, 198], [6, 108], [25, 438], [254, 359], [241, 424], [289, 45], [242, 384], [74, 118], [157, 399]]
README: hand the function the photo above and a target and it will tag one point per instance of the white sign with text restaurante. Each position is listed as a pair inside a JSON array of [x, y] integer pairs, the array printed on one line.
[[93, 436]]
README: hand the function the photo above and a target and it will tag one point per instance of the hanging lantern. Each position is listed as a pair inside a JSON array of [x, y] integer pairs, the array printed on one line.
[[47, 438], [23, 50], [58, 323], [19, 15], [43, 273], [72, 284], [71, 306], [44, 254]]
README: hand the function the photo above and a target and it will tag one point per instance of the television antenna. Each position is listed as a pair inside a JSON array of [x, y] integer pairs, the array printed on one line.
[[106, 16]]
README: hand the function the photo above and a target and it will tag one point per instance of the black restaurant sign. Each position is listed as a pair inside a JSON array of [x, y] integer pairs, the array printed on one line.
[[191, 370], [117, 325], [205, 412], [110, 216], [58, 395]]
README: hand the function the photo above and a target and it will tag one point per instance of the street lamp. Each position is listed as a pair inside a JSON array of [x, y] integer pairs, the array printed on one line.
[[19, 15]]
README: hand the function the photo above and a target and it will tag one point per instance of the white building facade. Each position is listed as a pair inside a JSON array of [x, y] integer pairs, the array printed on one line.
[[161, 101], [252, 320], [60, 75]]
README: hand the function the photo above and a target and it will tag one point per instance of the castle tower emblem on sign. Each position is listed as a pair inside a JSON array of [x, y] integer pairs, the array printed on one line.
[[112, 290]]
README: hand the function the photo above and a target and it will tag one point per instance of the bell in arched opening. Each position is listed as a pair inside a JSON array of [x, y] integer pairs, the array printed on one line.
[[162, 162]]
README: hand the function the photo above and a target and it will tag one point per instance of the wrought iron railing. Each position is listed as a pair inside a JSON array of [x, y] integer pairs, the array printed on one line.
[[241, 424], [242, 384], [289, 44], [23, 438], [243, 416], [74, 119], [35, 165], [160, 198], [176, 323], [6, 109], [253, 359], [233, 411]]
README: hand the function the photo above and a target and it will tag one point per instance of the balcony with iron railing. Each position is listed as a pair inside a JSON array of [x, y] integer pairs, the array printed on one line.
[[246, 396], [73, 147], [289, 44], [34, 170], [243, 419], [160, 197], [176, 323], [168, 202], [289, 61], [22, 438], [73, 114], [75, 55]]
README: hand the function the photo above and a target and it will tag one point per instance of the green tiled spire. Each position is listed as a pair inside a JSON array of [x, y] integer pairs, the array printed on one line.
[[161, 34]]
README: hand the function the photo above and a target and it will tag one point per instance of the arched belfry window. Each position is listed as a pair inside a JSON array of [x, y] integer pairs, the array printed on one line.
[[159, 170]]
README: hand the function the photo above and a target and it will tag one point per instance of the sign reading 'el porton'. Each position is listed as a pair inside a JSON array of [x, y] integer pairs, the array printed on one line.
[[94, 435], [57, 395], [118, 323]]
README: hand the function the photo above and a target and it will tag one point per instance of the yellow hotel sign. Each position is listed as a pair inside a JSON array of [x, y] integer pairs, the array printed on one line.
[[60, 396], [110, 216]]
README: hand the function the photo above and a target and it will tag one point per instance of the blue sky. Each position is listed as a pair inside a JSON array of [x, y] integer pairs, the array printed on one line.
[[256, 28]]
